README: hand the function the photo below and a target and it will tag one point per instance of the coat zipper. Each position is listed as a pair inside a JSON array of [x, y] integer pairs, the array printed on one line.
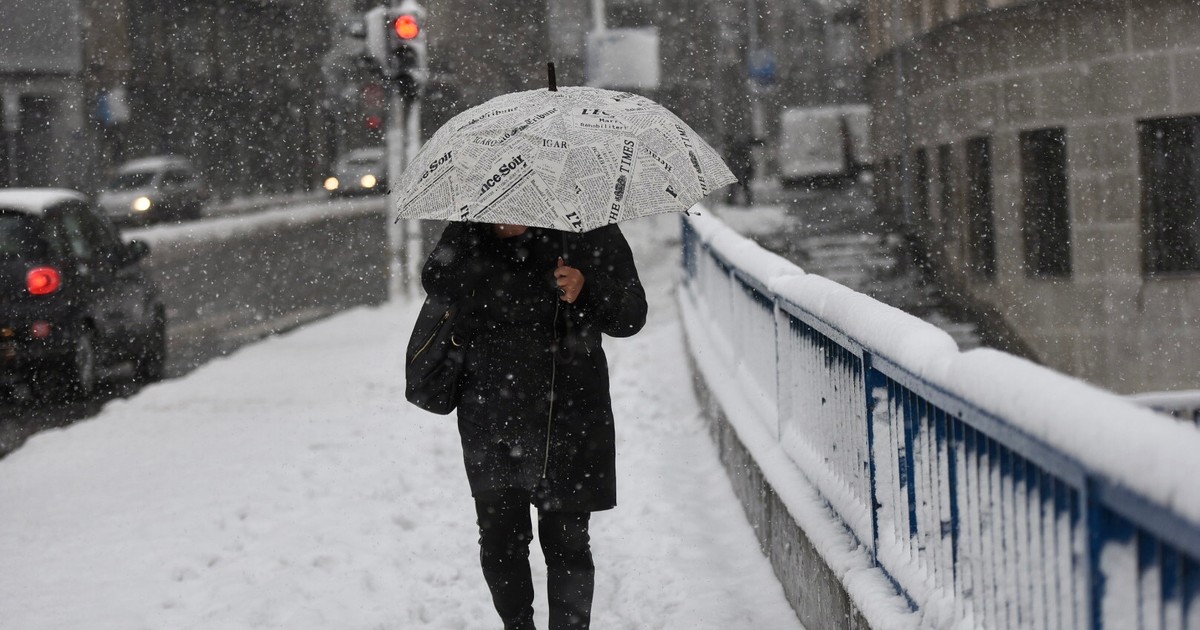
[[553, 370], [553, 374]]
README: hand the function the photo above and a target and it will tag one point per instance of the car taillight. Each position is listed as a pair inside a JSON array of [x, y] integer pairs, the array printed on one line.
[[43, 280]]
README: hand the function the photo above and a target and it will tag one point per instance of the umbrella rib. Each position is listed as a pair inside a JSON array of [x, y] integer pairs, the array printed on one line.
[[432, 182], [495, 201]]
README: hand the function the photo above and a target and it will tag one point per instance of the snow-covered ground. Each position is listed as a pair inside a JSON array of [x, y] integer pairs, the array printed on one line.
[[290, 486]]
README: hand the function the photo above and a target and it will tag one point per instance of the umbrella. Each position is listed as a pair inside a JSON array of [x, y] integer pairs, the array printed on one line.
[[572, 159]]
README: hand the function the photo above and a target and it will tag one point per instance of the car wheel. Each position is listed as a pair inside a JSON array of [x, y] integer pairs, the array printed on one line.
[[81, 371], [151, 363]]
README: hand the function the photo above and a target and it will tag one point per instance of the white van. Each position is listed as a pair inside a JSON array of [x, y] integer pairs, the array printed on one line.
[[823, 143]]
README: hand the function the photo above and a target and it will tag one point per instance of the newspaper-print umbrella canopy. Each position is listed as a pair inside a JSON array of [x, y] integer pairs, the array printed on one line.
[[574, 159]]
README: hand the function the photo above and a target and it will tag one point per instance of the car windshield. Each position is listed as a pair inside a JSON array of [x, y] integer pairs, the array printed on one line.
[[127, 181], [20, 235]]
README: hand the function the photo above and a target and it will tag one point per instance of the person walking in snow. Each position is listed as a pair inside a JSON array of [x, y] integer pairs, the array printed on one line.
[[535, 415]]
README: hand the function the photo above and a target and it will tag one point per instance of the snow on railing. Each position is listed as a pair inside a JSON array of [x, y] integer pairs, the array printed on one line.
[[991, 491], [1184, 405]]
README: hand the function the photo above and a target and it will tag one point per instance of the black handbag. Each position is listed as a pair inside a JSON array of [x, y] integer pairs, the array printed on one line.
[[437, 348]]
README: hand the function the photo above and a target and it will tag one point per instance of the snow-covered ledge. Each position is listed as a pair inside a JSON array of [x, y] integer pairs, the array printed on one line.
[[937, 488]]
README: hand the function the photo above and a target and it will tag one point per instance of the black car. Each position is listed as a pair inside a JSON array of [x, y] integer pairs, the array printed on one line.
[[74, 298]]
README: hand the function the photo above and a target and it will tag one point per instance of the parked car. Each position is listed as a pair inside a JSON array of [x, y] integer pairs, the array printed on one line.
[[359, 172], [74, 298], [153, 189]]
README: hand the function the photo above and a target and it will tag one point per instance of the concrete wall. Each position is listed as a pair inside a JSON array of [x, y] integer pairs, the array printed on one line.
[[1094, 68], [811, 587], [248, 277]]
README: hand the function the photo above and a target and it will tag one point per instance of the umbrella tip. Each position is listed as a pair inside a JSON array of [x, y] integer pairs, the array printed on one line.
[[550, 77]]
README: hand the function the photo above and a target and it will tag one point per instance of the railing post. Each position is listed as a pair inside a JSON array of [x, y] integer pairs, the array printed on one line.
[[954, 440], [688, 238], [1104, 528], [908, 466], [1093, 532], [872, 380], [781, 324]]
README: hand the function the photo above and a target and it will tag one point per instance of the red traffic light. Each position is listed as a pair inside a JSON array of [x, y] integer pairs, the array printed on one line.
[[406, 27]]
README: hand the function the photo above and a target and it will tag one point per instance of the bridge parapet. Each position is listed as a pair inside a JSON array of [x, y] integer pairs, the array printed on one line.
[[938, 488]]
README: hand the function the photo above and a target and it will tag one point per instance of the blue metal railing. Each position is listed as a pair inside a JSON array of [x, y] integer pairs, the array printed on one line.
[[968, 506]]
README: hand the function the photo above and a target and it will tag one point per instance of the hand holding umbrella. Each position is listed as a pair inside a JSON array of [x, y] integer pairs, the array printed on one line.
[[570, 282]]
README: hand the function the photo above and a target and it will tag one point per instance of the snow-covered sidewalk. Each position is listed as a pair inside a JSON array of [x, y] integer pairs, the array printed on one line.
[[290, 486]]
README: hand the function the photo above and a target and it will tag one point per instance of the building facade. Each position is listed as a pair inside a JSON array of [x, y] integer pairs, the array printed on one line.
[[1045, 154], [43, 92], [232, 84]]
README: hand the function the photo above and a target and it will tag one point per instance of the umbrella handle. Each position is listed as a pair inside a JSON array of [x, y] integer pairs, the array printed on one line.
[[550, 77]]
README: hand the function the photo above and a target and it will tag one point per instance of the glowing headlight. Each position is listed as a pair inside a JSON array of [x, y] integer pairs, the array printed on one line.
[[141, 204], [367, 181], [331, 184]]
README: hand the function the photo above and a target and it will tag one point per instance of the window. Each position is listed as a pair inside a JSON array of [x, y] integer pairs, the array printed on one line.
[[20, 235], [1170, 194], [921, 188], [887, 189], [945, 175], [72, 230], [104, 237], [90, 240], [130, 181], [981, 234], [176, 178], [1046, 222]]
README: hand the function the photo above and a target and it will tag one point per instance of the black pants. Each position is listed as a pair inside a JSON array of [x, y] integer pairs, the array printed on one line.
[[504, 535]]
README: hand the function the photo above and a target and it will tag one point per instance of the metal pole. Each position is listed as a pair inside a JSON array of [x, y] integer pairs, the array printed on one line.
[[396, 154], [901, 82], [12, 158], [757, 126], [413, 250], [12, 125], [598, 17]]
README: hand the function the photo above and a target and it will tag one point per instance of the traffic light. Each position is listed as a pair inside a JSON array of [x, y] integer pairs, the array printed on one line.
[[396, 39]]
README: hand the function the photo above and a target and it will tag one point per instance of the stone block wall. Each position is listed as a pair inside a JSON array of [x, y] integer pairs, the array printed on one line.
[[1095, 69]]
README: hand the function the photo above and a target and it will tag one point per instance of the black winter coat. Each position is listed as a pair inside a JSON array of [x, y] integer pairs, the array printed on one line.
[[535, 411]]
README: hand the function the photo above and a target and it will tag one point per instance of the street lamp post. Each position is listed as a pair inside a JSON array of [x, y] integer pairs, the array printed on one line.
[[12, 124]]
